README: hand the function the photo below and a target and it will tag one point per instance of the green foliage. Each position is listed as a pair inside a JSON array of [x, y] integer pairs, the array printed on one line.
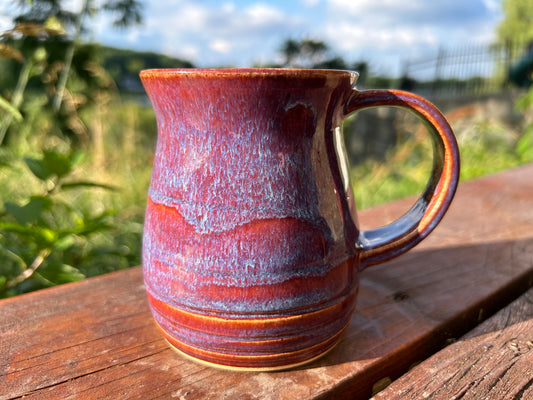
[[516, 25], [56, 224], [524, 145], [124, 12], [311, 53], [41, 233], [305, 53]]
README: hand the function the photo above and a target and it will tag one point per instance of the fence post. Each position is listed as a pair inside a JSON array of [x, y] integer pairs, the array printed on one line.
[[438, 67], [508, 55]]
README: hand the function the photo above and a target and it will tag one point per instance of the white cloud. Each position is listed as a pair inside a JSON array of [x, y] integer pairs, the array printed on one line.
[[392, 30], [222, 33], [72, 5], [262, 14], [188, 17], [220, 46], [5, 23], [493, 5], [243, 32]]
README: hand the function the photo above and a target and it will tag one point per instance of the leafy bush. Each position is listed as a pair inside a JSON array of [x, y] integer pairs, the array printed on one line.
[[56, 225], [49, 237]]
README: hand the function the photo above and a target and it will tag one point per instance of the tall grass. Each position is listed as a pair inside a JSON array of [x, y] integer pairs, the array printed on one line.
[[486, 147]]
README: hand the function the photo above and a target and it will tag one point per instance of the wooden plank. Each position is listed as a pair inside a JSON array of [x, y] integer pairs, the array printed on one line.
[[493, 361], [96, 338]]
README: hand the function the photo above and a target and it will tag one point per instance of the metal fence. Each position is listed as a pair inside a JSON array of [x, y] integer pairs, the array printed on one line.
[[465, 70]]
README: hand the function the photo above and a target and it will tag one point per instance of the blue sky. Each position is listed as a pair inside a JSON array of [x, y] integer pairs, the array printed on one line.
[[242, 33]]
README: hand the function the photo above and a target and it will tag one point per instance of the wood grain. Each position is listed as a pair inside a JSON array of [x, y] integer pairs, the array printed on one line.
[[493, 361], [96, 338]]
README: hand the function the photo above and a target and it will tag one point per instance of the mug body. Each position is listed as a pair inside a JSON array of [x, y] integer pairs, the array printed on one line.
[[248, 254]]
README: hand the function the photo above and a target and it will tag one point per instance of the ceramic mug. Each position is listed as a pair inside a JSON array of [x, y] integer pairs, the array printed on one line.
[[251, 246]]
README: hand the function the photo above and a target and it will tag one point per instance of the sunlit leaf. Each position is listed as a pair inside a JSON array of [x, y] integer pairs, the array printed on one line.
[[77, 157], [38, 234], [61, 273], [65, 242], [39, 55], [29, 29], [54, 27], [91, 225]]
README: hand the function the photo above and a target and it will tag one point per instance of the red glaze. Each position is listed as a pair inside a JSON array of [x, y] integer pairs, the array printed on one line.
[[251, 249]]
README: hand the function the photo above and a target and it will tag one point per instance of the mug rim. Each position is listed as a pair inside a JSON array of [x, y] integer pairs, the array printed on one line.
[[246, 72]]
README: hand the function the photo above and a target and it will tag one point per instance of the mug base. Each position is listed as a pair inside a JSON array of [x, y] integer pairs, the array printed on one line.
[[289, 345], [228, 367]]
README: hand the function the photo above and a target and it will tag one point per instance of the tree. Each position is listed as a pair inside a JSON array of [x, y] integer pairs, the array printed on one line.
[[516, 27], [316, 54], [127, 12], [303, 54], [309, 53], [50, 29]]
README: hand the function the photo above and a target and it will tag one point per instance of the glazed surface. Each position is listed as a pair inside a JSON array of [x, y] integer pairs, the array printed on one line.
[[245, 253], [251, 249]]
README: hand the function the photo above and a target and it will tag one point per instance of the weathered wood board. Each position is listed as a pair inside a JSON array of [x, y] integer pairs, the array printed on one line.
[[493, 361], [96, 339]]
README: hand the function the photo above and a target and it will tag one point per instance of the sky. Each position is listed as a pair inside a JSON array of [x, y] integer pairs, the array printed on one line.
[[244, 33]]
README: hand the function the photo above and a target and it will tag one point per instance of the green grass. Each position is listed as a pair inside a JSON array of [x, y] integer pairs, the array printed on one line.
[[486, 148]]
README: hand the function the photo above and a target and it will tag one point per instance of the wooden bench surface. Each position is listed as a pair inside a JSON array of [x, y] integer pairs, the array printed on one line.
[[493, 361], [96, 339]]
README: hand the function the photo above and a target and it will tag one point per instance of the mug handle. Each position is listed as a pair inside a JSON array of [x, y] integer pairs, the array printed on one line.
[[378, 245]]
